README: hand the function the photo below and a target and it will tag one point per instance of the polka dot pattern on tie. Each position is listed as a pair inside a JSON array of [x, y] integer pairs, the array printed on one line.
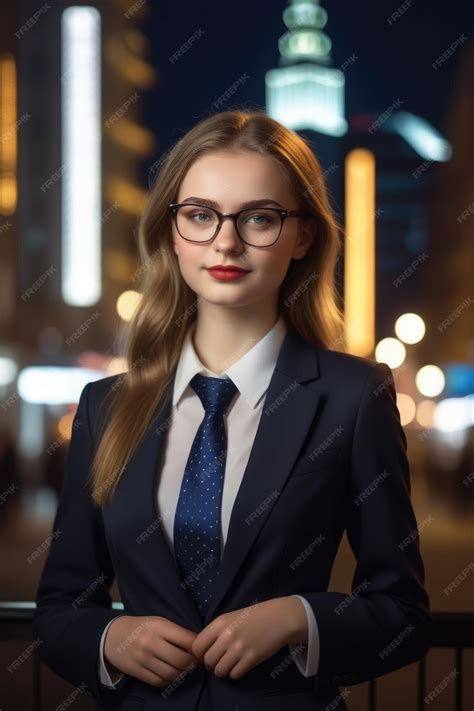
[[198, 512]]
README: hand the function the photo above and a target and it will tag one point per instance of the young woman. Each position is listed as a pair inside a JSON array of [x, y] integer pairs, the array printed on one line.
[[216, 478]]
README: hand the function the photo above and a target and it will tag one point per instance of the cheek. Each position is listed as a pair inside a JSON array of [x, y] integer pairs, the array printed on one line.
[[185, 251], [274, 264]]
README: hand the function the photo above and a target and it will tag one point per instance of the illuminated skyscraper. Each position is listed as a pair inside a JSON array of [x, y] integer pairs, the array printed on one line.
[[305, 92], [80, 144]]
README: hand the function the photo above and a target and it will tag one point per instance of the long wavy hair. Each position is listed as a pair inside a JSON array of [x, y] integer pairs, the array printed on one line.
[[308, 297]]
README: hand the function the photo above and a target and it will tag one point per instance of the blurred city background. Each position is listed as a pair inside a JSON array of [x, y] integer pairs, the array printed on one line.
[[93, 96]]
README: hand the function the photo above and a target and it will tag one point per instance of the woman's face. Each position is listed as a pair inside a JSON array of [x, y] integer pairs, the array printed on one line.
[[230, 180]]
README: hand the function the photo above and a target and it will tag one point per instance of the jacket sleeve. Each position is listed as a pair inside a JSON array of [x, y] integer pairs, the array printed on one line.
[[73, 603], [383, 624]]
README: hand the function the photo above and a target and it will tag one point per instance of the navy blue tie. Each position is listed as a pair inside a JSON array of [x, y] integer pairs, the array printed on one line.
[[197, 544]]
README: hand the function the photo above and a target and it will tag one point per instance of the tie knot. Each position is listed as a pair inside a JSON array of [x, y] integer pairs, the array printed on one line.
[[214, 393]]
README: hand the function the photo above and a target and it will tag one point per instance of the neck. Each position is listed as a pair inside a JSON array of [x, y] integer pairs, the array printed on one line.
[[223, 336]]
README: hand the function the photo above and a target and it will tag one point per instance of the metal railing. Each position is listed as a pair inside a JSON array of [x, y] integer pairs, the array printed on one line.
[[453, 630]]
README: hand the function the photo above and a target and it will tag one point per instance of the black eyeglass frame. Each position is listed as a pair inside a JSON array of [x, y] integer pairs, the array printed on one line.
[[235, 216]]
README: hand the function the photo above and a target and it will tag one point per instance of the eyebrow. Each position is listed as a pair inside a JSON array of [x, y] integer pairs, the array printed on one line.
[[249, 203]]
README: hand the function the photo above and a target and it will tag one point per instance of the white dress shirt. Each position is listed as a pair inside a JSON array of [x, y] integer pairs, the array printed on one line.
[[251, 374]]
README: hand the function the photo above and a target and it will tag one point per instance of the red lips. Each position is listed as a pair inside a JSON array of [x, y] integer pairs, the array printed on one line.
[[225, 268]]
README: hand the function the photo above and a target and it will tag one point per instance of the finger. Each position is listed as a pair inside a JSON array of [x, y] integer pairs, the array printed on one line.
[[143, 674], [204, 640], [157, 666], [226, 661], [179, 636], [215, 653], [243, 665], [175, 656]]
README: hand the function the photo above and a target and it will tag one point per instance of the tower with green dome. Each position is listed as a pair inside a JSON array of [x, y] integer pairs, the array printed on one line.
[[305, 92]]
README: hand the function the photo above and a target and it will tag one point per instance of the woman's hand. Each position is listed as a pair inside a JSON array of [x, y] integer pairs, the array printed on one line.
[[237, 641], [152, 649]]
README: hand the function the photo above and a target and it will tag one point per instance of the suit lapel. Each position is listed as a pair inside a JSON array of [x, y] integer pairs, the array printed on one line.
[[287, 414], [146, 463]]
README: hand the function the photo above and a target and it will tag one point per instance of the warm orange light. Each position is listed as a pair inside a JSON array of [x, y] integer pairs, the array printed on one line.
[[130, 66], [132, 136], [8, 134], [129, 197], [359, 254]]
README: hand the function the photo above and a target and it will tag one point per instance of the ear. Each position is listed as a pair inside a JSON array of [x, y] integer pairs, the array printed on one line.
[[174, 244], [305, 238]]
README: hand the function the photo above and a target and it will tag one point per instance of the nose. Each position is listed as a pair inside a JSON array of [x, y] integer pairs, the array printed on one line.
[[227, 237]]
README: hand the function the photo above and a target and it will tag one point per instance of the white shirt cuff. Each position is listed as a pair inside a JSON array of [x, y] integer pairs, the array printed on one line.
[[307, 659], [103, 673]]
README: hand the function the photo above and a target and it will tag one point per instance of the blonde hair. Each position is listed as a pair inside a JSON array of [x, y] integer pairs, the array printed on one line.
[[307, 297]]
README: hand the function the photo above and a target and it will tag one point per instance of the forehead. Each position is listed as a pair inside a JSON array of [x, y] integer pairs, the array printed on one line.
[[227, 176]]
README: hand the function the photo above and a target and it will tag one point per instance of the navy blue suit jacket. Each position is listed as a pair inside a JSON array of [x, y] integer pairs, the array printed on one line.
[[329, 455]]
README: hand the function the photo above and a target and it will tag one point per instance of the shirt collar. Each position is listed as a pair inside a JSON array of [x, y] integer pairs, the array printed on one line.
[[251, 374]]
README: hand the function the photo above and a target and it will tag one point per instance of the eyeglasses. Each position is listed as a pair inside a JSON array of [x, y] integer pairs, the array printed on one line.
[[257, 226]]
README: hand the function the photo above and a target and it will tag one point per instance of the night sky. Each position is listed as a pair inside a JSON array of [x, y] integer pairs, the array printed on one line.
[[393, 61]]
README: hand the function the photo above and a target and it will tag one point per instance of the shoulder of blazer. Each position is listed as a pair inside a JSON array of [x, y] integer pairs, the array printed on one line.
[[99, 392], [349, 368], [325, 365]]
